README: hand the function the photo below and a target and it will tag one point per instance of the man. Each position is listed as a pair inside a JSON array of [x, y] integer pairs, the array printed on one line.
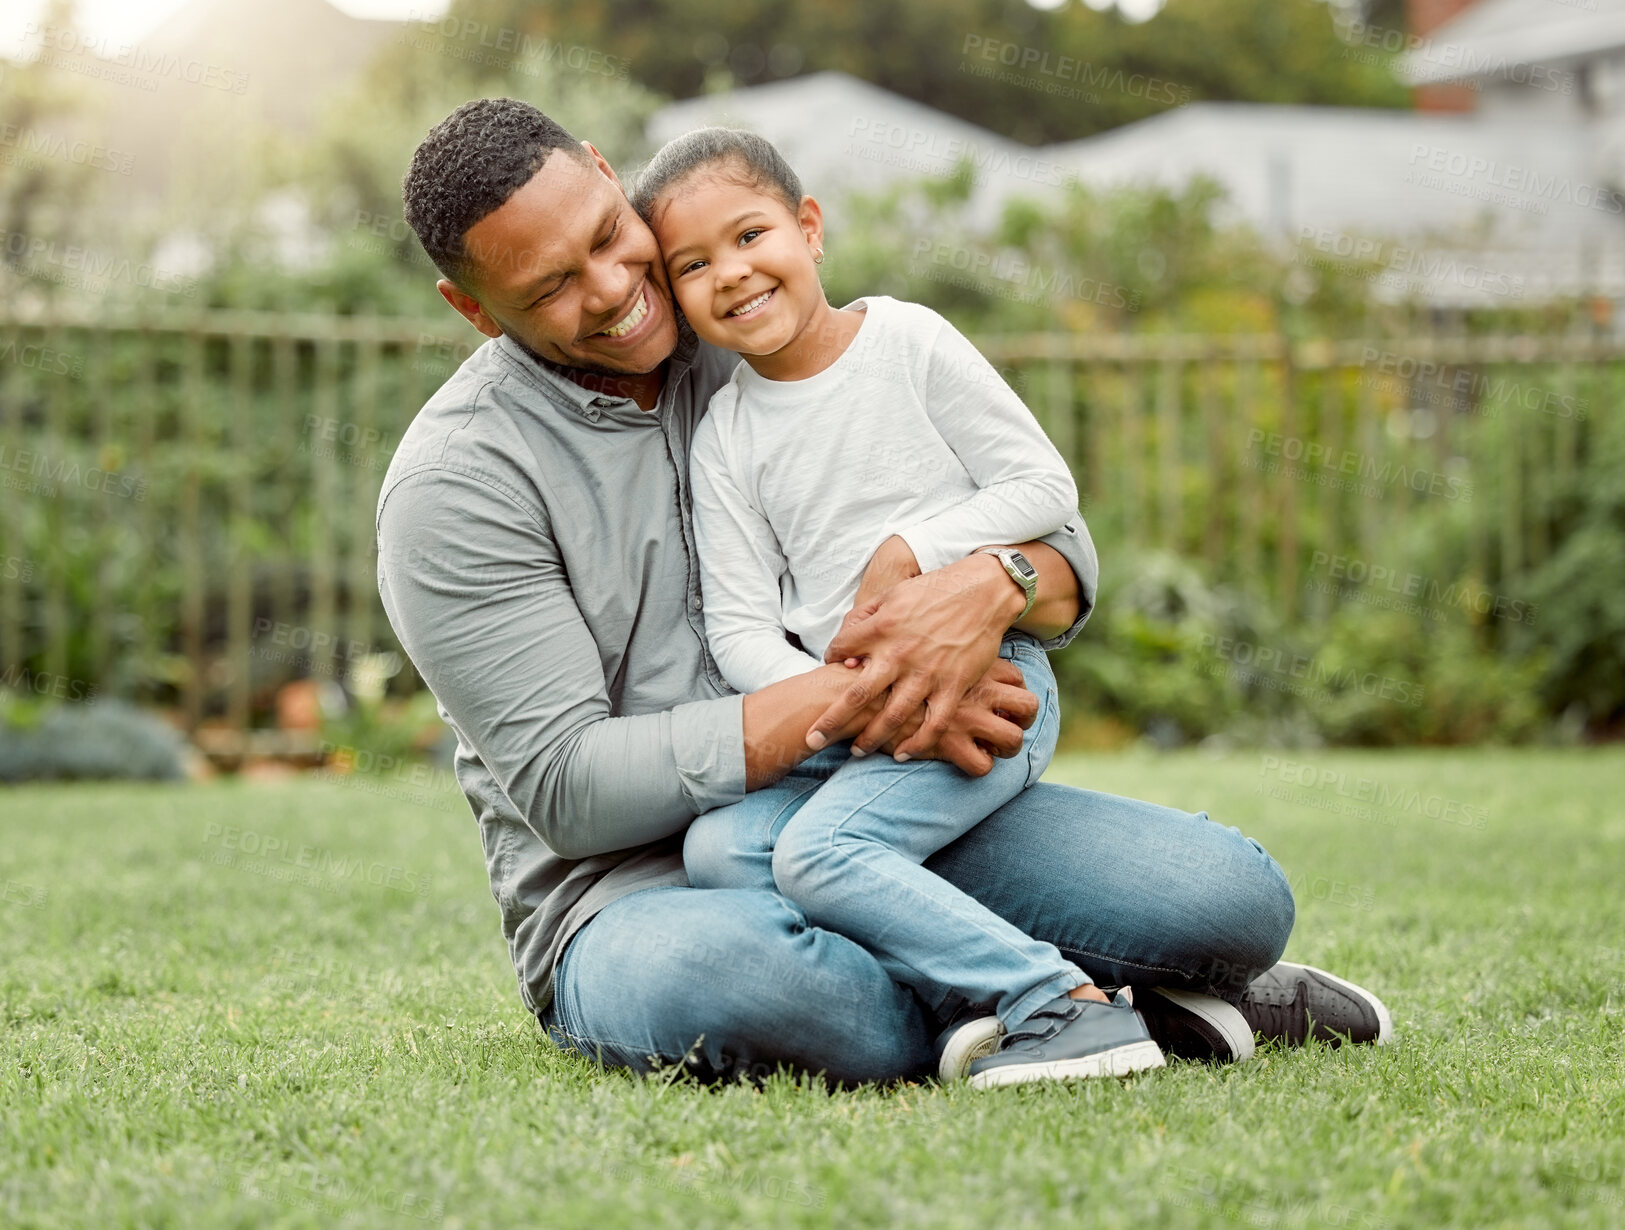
[[536, 559]]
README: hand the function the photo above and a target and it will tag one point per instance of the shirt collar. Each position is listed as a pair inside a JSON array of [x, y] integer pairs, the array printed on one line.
[[550, 378]]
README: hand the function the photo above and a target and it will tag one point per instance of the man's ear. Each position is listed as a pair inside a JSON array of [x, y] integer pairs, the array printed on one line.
[[811, 218], [468, 307], [603, 164]]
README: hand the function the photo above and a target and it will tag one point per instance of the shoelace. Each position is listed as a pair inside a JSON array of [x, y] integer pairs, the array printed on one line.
[[1272, 1013]]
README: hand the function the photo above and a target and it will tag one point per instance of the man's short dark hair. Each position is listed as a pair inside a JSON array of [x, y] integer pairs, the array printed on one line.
[[468, 166]]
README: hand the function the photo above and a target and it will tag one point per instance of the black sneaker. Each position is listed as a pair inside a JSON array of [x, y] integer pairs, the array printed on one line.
[[1067, 1039], [1192, 1026], [1293, 1003], [964, 1042]]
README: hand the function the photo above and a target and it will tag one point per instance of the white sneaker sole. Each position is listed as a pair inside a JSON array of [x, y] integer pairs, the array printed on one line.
[[1225, 1018], [1119, 1061], [1385, 1023], [973, 1040]]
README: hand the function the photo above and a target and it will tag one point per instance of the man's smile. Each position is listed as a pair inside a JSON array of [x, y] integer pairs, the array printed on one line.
[[628, 324]]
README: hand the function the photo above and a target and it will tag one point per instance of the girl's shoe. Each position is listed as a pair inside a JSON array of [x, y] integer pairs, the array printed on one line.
[[1069, 1039]]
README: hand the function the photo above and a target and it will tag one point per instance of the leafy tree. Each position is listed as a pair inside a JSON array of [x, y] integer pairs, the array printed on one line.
[[1053, 76]]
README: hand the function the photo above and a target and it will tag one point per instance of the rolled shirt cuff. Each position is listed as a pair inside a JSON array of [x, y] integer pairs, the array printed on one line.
[[708, 745]]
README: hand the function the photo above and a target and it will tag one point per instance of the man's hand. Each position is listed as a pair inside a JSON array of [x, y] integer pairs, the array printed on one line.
[[988, 722], [928, 639]]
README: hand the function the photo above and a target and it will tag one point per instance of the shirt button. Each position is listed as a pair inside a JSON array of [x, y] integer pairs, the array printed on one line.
[[694, 603]]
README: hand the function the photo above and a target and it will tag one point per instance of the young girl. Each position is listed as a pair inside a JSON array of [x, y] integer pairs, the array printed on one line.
[[851, 448]]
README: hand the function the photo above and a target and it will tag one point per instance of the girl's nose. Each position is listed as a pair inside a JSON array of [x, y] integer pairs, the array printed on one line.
[[732, 272]]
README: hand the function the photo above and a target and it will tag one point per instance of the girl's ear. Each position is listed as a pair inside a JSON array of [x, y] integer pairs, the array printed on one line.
[[811, 219]]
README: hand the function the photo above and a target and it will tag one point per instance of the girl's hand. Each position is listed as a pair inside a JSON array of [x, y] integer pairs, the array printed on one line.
[[892, 562]]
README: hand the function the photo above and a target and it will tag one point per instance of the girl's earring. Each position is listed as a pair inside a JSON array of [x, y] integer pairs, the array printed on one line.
[[818, 256]]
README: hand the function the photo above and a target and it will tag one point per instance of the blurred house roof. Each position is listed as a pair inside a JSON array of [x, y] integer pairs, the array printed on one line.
[[1522, 200], [1399, 172], [843, 134], [1519, 203], [1494, 37]]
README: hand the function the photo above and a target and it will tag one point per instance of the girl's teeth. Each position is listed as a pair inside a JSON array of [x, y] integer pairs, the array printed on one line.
[[752, 305], [631, 321]]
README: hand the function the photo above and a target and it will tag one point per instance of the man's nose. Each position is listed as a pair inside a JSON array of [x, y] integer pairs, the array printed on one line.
[[608, 285]]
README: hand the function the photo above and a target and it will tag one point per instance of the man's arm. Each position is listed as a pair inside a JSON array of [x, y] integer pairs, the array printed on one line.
[[477, 593], [476, 590]]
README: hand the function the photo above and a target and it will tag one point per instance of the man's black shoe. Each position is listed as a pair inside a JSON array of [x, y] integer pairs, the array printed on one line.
[[1292, 1003], [1192, 1026], [1069, 1039]]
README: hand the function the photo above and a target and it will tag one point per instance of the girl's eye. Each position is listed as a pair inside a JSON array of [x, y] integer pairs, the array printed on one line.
[[750, 234], [690, 267]]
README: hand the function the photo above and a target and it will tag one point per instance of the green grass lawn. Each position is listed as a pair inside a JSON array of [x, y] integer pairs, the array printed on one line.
[[198, 1034]]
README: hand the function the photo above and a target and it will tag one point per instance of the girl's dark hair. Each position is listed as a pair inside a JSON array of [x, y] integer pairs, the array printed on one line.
[[750, 157]]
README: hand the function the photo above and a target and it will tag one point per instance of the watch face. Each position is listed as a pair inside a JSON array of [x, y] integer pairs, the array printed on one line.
[[1023, 566]]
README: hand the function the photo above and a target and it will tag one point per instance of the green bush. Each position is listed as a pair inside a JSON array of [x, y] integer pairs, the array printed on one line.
[[104, 739], [1178, 658]]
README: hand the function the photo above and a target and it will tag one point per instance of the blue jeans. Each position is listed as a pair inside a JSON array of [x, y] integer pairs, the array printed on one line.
[[844, 841], [1131, 892]]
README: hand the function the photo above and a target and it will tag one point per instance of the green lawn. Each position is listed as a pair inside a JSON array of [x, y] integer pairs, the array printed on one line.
[[196, 1034]]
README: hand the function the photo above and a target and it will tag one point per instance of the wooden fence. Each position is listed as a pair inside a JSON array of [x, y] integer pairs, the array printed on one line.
[[186, 503]]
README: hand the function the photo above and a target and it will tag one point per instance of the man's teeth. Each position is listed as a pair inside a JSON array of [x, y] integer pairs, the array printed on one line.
[[752, 305], [630, 321]]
